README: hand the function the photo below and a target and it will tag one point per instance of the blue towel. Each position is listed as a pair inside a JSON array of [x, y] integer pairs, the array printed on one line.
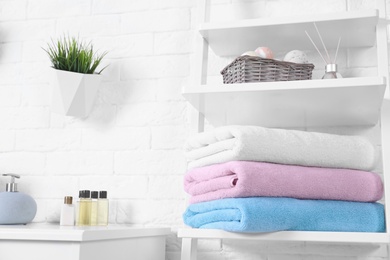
[[267, 214]]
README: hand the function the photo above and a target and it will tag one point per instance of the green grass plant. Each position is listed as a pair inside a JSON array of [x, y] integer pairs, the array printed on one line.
[[70, 54]]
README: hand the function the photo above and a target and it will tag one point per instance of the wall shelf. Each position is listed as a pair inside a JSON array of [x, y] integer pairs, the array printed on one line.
[[293, 104], [334, 237], [338, 102], [358, 29]]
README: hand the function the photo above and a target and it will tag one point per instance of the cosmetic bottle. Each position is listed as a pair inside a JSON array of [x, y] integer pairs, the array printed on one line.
[[102, 209], [16, 207], [84, 208], [67, 212], [94, 207], [331, 72]]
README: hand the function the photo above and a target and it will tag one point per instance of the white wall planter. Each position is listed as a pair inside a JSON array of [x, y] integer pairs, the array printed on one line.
[[73, 94]]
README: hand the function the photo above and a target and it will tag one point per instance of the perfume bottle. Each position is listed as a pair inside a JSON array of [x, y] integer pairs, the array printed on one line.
[[102, 209], [67, 212], [331, 72]]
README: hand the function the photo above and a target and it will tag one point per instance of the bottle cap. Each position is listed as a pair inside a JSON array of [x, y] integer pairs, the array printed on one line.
[[103, 194], [11, 186], [68, 200], [331, 68], [84, 194], [94, 194]]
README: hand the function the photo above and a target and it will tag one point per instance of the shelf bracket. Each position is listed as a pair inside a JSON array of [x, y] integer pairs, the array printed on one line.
[[189, 248]]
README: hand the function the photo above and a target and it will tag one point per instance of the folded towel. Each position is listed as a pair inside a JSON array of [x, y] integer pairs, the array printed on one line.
[[251, 179], [263, 214], [253, 143]]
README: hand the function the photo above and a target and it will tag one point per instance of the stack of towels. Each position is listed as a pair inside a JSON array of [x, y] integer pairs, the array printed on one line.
[[255, 179]]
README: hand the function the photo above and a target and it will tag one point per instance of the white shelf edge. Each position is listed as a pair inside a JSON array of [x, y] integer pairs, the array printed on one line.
[[52, 232], [303, 236], [268, 21], [306, 103], [233, 38], [284, 85]]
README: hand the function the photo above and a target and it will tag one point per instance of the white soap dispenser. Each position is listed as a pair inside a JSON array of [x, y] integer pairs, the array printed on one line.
[[16, 207]]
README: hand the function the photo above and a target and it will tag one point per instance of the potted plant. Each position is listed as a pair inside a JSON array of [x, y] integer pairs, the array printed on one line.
[[75, 79]]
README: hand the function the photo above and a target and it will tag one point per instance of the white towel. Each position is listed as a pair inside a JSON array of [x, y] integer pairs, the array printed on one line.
[[253, 143]]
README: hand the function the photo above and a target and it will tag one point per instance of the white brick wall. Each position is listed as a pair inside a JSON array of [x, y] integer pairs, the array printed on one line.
[[131, 144]]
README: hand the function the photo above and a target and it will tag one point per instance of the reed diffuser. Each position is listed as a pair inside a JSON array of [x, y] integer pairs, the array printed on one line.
[[330, 66]]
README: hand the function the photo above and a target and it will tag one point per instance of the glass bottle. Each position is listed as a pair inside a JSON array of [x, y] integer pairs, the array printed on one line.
[[84, 208], [94, 207], [331, 72], [103, 209]]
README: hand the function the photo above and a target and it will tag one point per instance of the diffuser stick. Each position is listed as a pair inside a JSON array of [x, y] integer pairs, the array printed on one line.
[[323, 44], [337, 51], [315, 46]]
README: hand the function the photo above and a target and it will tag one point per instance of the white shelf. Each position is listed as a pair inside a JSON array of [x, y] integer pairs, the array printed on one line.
[[308, 103], [333, 237], [55, 232], [357, 29]]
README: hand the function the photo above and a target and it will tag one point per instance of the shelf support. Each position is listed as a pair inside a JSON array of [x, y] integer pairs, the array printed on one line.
[[201, 60], [385, 130], [383, 70], [382, 49], [189, 248]]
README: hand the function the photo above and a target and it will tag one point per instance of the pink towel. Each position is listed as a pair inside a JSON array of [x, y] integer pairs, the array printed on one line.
[[251, 179]]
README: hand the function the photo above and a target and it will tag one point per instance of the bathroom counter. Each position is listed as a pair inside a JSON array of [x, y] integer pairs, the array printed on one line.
[[51, 241]]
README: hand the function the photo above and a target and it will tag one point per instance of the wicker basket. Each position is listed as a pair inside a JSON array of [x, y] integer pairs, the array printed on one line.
[[255, 69]]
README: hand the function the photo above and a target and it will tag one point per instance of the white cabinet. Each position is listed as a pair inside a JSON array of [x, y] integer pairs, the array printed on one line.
[[340, 102], [48, 241]]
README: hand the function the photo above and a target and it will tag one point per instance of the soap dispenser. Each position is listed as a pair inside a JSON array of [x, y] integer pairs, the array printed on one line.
[[16, 207]]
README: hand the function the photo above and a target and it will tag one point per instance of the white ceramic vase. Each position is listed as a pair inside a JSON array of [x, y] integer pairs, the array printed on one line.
[[73, 94]]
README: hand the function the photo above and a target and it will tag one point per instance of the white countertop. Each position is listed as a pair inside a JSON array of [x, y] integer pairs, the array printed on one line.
[[55, 232]]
